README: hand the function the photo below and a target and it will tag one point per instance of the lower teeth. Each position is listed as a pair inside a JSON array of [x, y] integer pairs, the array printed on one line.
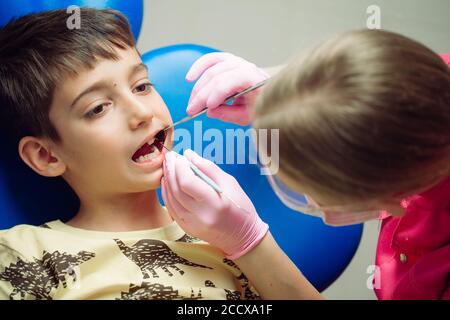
[[149, 156]]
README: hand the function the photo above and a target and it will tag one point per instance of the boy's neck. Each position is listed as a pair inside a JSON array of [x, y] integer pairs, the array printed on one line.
[[130, 212]]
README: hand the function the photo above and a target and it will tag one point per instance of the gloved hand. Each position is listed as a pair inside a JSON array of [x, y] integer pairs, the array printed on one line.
[[222, 75], [205, 214]]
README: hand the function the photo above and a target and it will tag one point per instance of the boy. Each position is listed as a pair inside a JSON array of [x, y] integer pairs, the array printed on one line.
[[80, 105]]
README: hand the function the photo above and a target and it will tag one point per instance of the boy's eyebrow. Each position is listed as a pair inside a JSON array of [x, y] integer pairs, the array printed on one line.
[[138, 67], [104, 83], [96, 86]]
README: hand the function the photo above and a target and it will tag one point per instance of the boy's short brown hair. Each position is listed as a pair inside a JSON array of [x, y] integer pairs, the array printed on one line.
[[39, 50]]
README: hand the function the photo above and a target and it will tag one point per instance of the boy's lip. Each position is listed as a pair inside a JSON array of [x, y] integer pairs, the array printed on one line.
[[151, 165]]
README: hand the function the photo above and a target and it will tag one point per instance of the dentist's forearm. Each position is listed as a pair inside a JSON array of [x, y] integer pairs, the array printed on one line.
[[273, 274]]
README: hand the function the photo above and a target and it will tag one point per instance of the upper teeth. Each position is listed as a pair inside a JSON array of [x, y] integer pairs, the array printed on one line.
[[151, 142]]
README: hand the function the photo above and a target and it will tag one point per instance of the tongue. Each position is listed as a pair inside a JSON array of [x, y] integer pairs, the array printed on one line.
[[159, 144], [145, 149]]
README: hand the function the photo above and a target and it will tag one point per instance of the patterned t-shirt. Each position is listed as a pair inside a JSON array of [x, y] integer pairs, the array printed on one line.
[[57, 261]]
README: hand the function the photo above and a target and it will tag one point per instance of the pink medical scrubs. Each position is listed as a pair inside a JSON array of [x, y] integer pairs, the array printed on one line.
[[446, 58], [413, 253]]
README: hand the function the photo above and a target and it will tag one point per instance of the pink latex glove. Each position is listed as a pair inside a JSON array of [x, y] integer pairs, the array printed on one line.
[[205, 214], [222, 75]]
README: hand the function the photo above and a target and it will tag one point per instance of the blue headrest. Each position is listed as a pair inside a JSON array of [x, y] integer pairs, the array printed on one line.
[[132, 9]]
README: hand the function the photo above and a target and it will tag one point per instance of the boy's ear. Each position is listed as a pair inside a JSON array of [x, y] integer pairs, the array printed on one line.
[[38, 155]]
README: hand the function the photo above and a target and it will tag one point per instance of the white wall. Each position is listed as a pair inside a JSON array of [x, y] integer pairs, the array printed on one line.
[[268, 32]]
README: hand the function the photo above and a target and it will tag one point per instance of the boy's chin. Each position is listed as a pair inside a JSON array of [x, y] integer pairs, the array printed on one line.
[[153, 182]]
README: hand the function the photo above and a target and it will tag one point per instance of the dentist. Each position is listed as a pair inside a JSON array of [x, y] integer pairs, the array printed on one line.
[[364, 124]]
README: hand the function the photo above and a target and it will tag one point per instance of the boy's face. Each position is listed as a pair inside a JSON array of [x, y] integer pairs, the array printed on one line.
[[104, 116]]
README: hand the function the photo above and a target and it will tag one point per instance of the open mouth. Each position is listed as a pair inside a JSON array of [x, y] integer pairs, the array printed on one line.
[[151, 149]]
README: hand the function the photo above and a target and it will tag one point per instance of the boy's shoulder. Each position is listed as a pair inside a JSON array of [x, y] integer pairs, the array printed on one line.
[[22, 239], [23, 229]]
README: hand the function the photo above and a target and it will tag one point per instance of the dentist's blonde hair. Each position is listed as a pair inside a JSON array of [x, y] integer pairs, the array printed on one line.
[[364, 115]]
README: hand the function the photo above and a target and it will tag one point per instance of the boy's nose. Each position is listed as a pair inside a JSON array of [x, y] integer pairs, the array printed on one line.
[[141, 115]]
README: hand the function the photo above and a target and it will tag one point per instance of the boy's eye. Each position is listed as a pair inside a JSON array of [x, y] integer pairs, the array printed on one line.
[[97, 110], [145, 87]]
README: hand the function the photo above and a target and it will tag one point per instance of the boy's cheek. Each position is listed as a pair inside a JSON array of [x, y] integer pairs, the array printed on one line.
[[165, 114]]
